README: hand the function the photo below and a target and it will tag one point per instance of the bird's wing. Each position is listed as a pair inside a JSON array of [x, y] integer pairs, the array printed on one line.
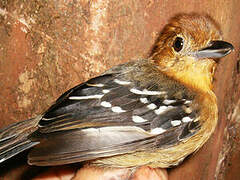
[[110, 115]]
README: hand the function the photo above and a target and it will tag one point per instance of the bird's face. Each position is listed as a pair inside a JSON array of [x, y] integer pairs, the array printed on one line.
[[188, 48]]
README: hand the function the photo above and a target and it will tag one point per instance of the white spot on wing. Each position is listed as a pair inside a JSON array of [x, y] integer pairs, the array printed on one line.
[[146, 92], [97, 96], [144, 100], [188, 110], [3, 159], [121, 82], [186, 119], [187, 102], [117, 109], [157, 131], [151, 106], [135, 91], [106, 104], [175, 122], [138, 119], [96, 85], [168, 101], [161, 109], [105, 91]]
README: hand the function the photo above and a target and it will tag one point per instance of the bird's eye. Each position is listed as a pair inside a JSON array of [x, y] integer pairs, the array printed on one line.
[[178, 44]]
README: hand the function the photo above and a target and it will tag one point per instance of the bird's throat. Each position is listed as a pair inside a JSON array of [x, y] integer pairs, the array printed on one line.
[[197, 75]]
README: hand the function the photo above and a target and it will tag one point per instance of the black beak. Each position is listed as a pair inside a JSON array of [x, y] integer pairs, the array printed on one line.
[[216, 49]]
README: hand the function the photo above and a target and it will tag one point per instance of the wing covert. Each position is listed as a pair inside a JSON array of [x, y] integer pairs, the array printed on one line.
[[102, 108]]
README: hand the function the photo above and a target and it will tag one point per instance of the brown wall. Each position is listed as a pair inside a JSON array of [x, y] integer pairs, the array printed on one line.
[[47, 47]]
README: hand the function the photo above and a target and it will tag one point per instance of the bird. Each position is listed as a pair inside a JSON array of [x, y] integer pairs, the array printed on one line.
[[153, 111]]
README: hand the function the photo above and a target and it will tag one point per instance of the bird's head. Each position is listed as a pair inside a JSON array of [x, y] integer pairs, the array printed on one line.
[[188, 48]]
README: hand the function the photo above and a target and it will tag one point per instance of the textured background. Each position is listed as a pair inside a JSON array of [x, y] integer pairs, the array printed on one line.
[[47, 47]]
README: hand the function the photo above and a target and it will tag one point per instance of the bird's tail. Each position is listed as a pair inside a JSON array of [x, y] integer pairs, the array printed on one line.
[[14, 138]]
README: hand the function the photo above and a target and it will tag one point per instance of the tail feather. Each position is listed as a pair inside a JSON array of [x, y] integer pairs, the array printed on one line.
[[15, 149], [14, 138]]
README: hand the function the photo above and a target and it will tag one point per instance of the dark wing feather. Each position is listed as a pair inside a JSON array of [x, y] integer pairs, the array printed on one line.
[[80, 145], [109, 115], [14, 138]]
